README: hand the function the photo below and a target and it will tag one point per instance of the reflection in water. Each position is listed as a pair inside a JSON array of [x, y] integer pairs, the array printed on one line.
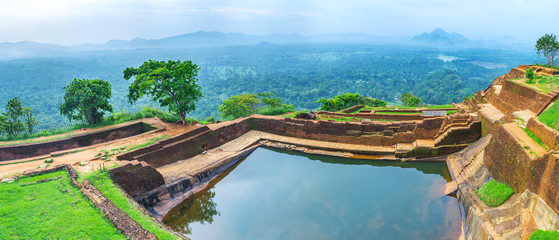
[[198, 208], [276, 194]]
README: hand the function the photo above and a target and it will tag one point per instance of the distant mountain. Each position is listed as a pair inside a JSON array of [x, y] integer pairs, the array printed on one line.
[[25, 49], [201, 39], [441, 37]]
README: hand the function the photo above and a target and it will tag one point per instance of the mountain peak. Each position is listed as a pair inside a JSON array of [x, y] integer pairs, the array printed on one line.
[[440, 36]]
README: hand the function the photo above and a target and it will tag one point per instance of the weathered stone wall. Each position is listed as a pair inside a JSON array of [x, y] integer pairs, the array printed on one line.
[[509, 162], [136, 178], [158, 145], [194, 145], [549, 136], [377, 116], [42, 148], [368, 133]]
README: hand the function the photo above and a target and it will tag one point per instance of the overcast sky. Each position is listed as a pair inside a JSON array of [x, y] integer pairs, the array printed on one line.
[[72, 22]]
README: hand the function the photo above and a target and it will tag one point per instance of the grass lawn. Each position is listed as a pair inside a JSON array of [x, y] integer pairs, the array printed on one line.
[[50, 210], [550, 117], [400, 113], [101, 180], [338, 119], [439, 106], [544, 235], [541, 84], [493, 193]]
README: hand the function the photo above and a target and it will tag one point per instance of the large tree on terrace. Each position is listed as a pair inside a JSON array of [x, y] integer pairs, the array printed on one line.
[[172, 84], [86, 100], [548, 46]]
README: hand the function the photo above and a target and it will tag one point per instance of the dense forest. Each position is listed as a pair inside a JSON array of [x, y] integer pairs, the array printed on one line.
[[299, 74]]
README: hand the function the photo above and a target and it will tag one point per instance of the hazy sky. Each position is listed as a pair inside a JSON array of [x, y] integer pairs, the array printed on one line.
[[97, 21]]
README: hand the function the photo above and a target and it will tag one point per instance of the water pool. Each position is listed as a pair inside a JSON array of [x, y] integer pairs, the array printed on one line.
[[275, 194]]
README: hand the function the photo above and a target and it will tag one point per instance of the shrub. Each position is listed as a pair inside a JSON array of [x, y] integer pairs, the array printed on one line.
[[530, 75], [493, 193], [50, 160]]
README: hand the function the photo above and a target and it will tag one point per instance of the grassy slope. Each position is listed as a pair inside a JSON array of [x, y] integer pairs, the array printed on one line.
[[53, 214], [550, 117], [106, 186]]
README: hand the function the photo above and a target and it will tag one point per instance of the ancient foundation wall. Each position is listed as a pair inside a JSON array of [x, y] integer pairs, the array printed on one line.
[[549, 136], [509, 162], [376, 116], [194, 145], [516, 97], [42, 148]]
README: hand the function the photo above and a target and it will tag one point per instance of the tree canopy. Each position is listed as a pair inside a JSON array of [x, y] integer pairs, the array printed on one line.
[[242, 105], [173, 84], [10, 122], [348, 100], [86, 100], [548, 46], [410, 100]]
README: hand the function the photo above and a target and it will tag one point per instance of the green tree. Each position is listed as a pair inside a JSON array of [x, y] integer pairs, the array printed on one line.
[[173, 84], [373, 102], [12, 125], [240, 106], [86, 100], [414, 102], [29, 119], [530, 75], [3, 122], [548, 46], [405, 98]]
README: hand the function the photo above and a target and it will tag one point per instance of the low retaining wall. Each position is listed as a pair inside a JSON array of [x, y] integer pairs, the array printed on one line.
[[377, 116], [549, 136], [41, 148], [516, 97], [353, 109]]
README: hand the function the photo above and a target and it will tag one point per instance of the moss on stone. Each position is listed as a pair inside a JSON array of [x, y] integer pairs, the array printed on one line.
[[493, 193]]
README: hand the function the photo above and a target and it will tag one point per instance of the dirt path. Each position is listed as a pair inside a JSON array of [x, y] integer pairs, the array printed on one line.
[[88, 153]]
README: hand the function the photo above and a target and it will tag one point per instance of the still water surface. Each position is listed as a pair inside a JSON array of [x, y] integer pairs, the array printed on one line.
[[275, 194]]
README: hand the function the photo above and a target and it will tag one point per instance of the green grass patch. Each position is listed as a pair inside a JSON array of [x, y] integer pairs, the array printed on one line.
[[550, 117], [451, 112], [101, 180], [292, 115], [400, 113], [544, 235], [149, 142], [338, 119], [493, 193], [50, 210], [541, 84], [439, 106], [535, 138]]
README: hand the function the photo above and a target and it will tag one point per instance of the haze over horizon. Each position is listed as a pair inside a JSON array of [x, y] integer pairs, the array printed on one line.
[[69, 22]]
